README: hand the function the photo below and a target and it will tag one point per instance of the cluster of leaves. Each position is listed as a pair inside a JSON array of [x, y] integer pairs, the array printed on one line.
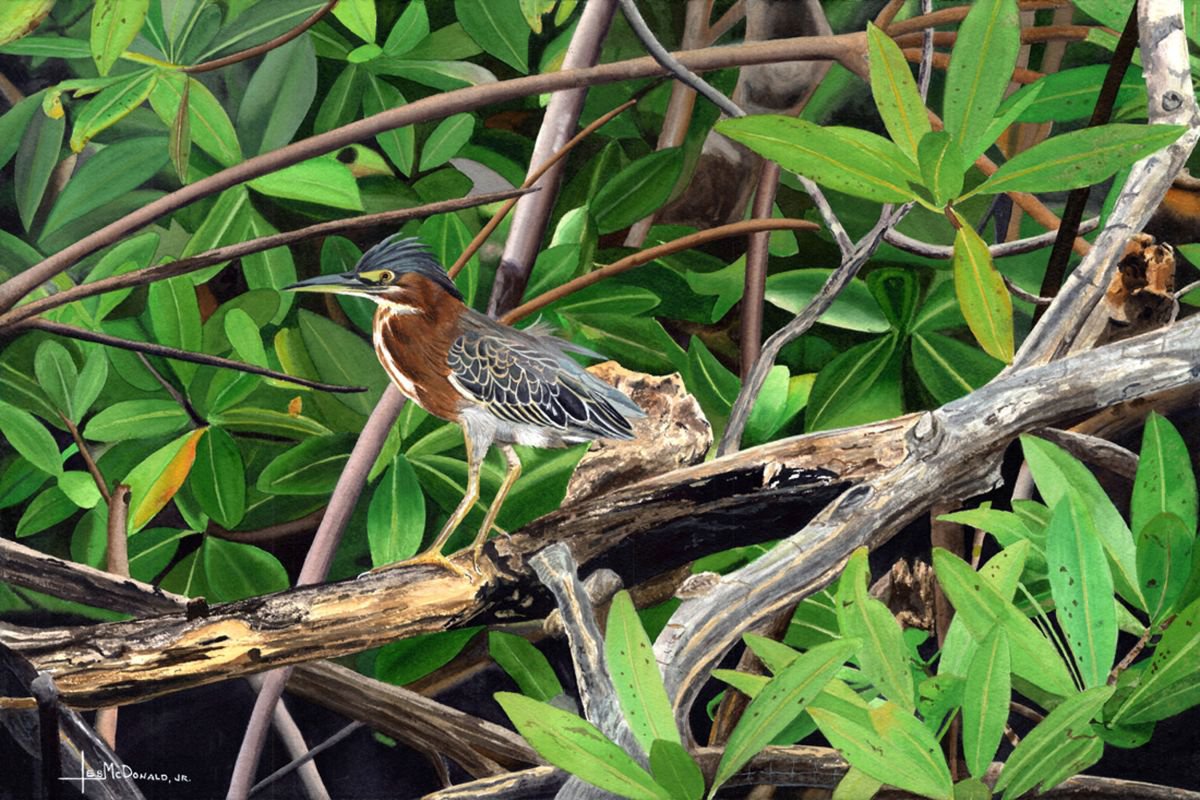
[[1040, 620]]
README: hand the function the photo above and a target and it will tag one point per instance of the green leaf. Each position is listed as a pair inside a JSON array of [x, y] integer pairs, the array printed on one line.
[[56, 372], [23, 19], [175, 319], [442, 75], [770, 407], [235, 571], [882, 657], [1056, 474], [1164, 482], [358, 16], [636, 677], [1079, 158], [344, 358], [91, 382], [259, 23], [674, 769], [115, 24], [36, 159], [45, 46], [342, 100], [498, 28], [637, 190], [112, 105], [14, 123], [845, 380], [981, 605], [1070, 94], [1167, 701], [323, 180], [80, 488], [714, 386], [854, 309], [411, 27], [115, 170], [396, 514], [577, 746], [408, 660], [916, 754], [982, 296], [398, 143], [856, 784], [154, 481], [270, 269], [270, 422], [525, 664], [179, 141], [136, 419], [265, 123], [47, 509], [542, 485], [1044, 746], [611, 299], [218, 478], [446, 140], [30, 439], [780, 702], [1174, 662], [950, 369], [208, 124], [311, 467], [981, 66], [1164, 561], [895, 92], [941, 165], [823, 154], [986, 697]]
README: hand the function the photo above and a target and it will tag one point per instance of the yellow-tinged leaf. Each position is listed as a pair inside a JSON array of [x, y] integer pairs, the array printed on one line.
[[21, 18], [982, 296], [156, 480]]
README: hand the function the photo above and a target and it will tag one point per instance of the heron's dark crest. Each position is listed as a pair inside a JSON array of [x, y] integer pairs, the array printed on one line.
[[396, 255]]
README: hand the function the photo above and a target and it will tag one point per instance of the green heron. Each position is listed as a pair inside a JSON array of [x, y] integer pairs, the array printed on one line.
[[500, 384]]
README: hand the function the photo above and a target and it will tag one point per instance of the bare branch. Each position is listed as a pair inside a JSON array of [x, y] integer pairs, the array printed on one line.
[[1002, 250]]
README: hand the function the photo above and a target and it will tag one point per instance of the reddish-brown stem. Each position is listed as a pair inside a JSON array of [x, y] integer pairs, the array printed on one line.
[[86, 454], [118, 564], [1045, 33], [755, 284], [649, 254], [948, 16], [265, 47], [942, 61]]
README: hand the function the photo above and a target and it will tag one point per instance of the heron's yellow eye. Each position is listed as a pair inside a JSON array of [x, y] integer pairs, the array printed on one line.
[[386, 276]]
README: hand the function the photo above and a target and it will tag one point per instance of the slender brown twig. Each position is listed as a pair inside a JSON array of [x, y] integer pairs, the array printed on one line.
[[176, 395], [86, 454], [265, 47], [755, 284]]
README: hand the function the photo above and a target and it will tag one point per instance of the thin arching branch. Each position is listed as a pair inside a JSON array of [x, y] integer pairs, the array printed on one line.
[[265, 47]]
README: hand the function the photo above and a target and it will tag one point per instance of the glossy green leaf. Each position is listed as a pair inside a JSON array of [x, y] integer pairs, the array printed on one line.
[[1164, 561], [613, 299], [49, 508], [981, 66], [1174, 662], [854, 309], [986, 697], [398, 143], [823, 154], [47, 46], [322, 180], [268, 421], [175, 319], [856, 784], [156, 479], [1044, 747], [411, 27], [311, 467], [883, 151], [950, 369], [675, 770], [152, 550], [18, 481], [446, 140], [714, 386], [218, 478], [265, 123], [344, 358], [246, 337], [441, 75], [30, 438], [1079, 158], [112, 105], [110, 173], [882, 657], [136, 419], [407, 660], [637, 190], [90, 383], [36, 159], [115, 24], [982, 295], [577, 746], [779, 702], [342, 100], [235, 571], [270, 269], [1167, 701], [498, 28], [941, 165], [846, 379], [980, 605], [1070, 94], [636, 676], [770, 407], [358, 16], [258, 23], [1005, 117], [1164, 482], [179, 141], [1007, 528], [57, 374], [14, 123], [208, 124], [895, 92], [396, 514], [542, 485], [525, 664], [1057, 474], [22, 17]]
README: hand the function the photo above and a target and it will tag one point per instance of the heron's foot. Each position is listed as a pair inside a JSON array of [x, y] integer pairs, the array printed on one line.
[[429, 557]]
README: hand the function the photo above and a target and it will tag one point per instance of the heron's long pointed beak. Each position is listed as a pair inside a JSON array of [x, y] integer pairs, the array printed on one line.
[[342, 283]]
